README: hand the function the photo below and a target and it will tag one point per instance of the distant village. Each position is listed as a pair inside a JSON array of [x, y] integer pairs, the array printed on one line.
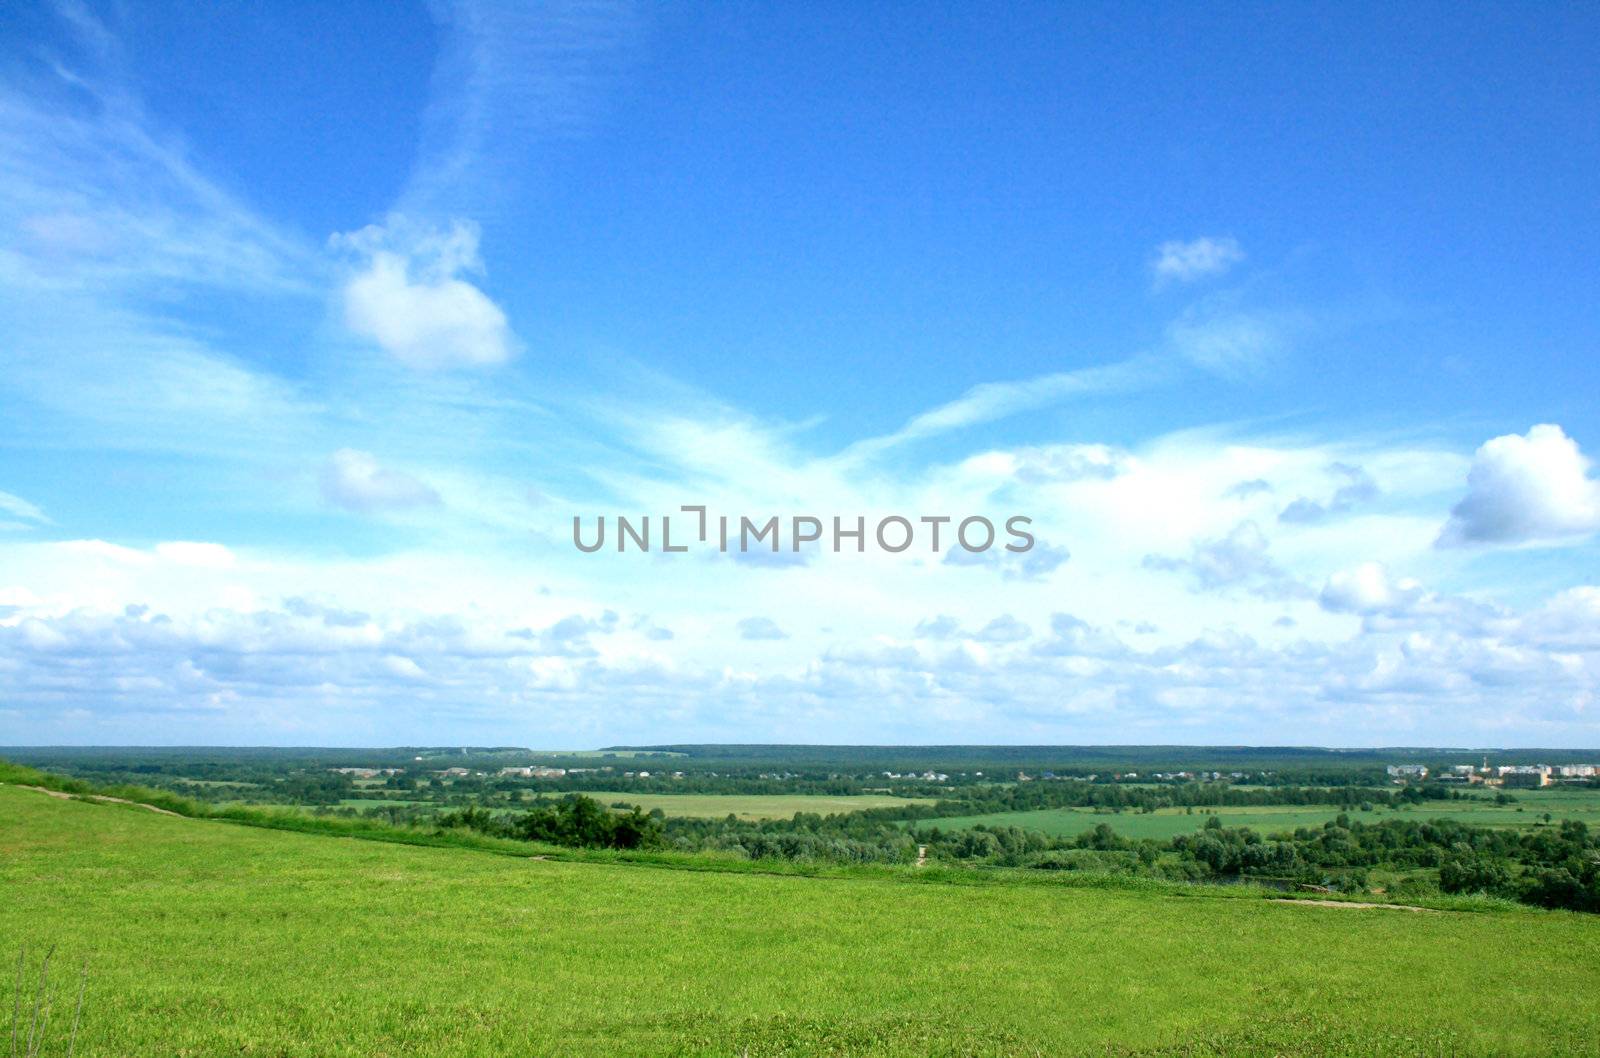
[[1159, 776], [1525, 776]]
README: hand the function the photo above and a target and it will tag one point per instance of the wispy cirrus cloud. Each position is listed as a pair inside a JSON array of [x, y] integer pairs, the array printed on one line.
[[512, 76], [22, 513], [102, 198], [991, 401], [1227, 339], [117, 235]]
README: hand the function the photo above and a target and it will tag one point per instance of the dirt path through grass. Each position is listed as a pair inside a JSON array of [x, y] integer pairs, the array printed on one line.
[[62, 795], [1356, 904]]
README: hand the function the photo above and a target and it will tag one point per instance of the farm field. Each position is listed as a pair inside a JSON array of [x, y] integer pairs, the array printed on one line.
[[1164, 823], [205, 938], [751, 806], [748, 807]]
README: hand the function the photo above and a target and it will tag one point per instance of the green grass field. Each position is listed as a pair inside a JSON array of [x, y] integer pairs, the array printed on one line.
[[206, 938], [711, 806], [1166, 822], [751, 806]]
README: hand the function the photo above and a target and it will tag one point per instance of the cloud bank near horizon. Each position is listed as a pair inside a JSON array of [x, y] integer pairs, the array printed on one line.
[[276, 486]]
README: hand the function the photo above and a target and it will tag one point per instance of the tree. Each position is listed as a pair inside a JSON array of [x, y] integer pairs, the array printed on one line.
[[1474, 875]]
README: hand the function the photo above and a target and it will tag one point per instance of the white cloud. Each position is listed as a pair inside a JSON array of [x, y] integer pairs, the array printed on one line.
[[761, 628], [493, 616], [1038, 562], [1184, 262], [354, 480], [1069, 462], [403, 668], [196, 553], [1367, 589], [990, 401], [1244, 490], [1003, 629], [1239, 559], [1526, 489], [185, 665], [408, 296], [18, 507], [96, 195], [509, 77], [941, 627], [1226, 340], [1355, 487]]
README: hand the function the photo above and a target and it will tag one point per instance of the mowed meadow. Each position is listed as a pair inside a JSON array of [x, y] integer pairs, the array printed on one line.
[[1528, 809], [207, 938], [745, 807], [752, 806]]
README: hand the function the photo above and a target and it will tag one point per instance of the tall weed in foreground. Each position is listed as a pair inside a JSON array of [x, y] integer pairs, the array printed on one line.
[[32, 1003]]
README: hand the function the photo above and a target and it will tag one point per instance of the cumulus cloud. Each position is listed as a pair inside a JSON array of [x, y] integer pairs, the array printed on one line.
[[1070, 462], [332, 616], [761, 628], [569, 637], [761, 558], [1568, 621], [196, 553], [508, 641], [1036, 563], [1526, 489], [1368, 589], [1071, 636], [1041, 560], [1245, 489], [403, 668], [219, 671], [941, 627], [407, 295], [1184, 262], [1003, 629], [354, 480], [1355, 488], [1239, 559]]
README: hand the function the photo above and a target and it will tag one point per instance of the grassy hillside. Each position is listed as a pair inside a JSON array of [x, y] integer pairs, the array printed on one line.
[[207, 938]]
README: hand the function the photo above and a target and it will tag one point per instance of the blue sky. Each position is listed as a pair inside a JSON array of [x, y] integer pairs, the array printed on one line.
[[321, 325]]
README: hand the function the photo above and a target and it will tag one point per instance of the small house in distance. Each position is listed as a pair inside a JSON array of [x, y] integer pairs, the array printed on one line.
[[534, 772], [1404, 773]]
